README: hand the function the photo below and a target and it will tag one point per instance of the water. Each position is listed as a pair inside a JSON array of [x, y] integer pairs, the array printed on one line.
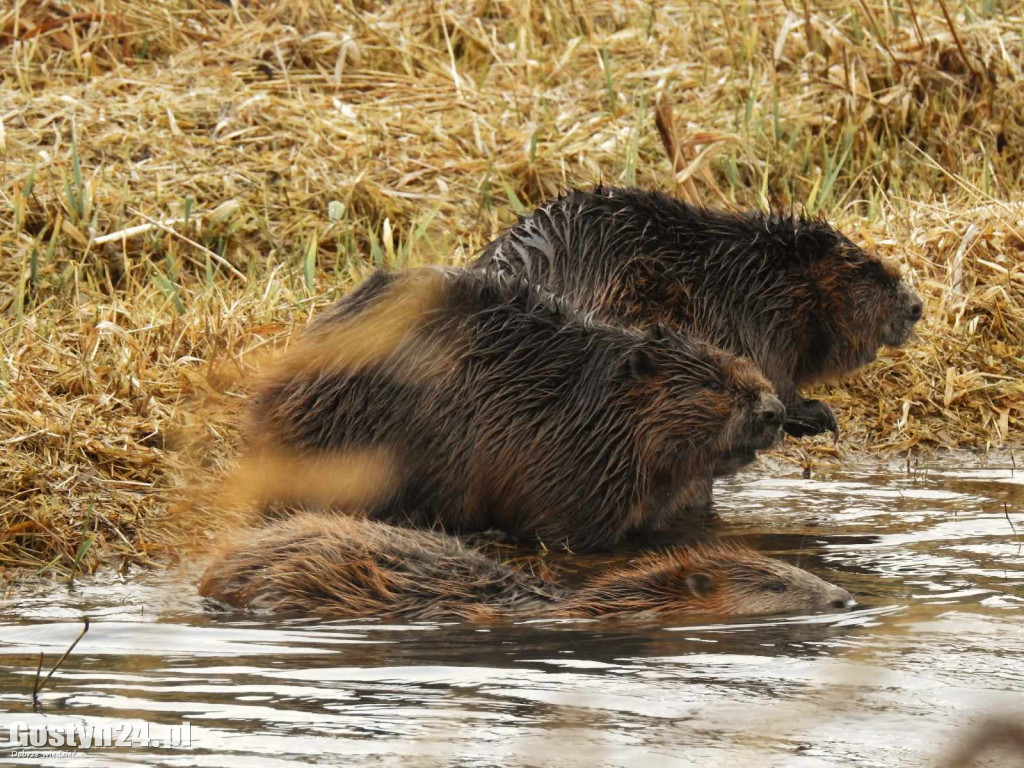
[[936, 646]]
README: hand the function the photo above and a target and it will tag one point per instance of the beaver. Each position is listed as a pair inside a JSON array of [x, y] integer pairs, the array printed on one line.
[[505, 408], [790, 292], [338, 566]]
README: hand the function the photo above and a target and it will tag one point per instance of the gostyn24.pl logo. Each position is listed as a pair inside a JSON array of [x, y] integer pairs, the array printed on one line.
[[122, 733]]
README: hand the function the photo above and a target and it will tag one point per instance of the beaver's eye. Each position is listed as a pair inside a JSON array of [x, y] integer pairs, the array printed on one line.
[[775, 586], [712, 386]]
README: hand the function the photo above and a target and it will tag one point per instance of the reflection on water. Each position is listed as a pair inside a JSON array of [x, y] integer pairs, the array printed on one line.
[[937, 644]]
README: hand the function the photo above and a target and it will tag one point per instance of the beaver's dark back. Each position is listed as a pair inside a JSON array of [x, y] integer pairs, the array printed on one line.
[[744, 281], [515, 413]]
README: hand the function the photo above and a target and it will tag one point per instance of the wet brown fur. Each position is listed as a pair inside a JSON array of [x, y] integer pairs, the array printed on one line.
[[502, 407], [793, 294], [345, 566], [721, 579], [331, 565]]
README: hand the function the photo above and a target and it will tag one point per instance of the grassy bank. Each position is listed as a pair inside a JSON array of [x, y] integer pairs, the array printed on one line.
[[184, 182]]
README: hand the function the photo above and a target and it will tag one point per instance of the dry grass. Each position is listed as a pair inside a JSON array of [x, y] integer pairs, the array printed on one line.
[[185, 181]]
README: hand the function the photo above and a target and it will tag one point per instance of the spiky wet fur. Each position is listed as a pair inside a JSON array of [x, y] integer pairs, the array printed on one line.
[[345, 566], [506, 408], [331, 565], [791, 293]]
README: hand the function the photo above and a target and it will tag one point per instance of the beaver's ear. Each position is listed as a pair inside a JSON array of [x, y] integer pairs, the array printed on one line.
[[642, 364], [657, 332], [814, 241], [700, 584]]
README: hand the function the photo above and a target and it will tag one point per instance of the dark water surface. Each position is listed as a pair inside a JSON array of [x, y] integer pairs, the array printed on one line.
[[936, 646]]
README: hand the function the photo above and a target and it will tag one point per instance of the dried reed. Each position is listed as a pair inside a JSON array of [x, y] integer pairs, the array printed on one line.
[[183, 182]]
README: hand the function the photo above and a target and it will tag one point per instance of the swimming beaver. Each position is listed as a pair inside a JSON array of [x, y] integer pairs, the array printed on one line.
[[331, 565], [504, 408], [793, 294]]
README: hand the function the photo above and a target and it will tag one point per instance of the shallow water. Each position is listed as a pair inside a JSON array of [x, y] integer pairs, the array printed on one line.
[[935, 647]]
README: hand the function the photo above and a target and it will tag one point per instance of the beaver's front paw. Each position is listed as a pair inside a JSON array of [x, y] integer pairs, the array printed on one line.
[[810, 417]]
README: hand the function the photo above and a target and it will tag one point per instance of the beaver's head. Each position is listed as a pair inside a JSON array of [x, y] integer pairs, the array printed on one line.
[[863, 304], [757, 415], [699, 396], [714, 579]]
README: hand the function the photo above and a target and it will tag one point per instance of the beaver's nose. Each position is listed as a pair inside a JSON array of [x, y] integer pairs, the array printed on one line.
[[842, 600], [771, 411]]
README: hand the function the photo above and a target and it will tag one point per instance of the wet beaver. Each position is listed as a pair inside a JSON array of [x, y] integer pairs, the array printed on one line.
[[791, 293], [504, 408], [332, 565]]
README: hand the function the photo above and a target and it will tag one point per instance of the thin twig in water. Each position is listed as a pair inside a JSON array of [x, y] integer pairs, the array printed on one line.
[[38, 687], [35, 686], [1006, 511]]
